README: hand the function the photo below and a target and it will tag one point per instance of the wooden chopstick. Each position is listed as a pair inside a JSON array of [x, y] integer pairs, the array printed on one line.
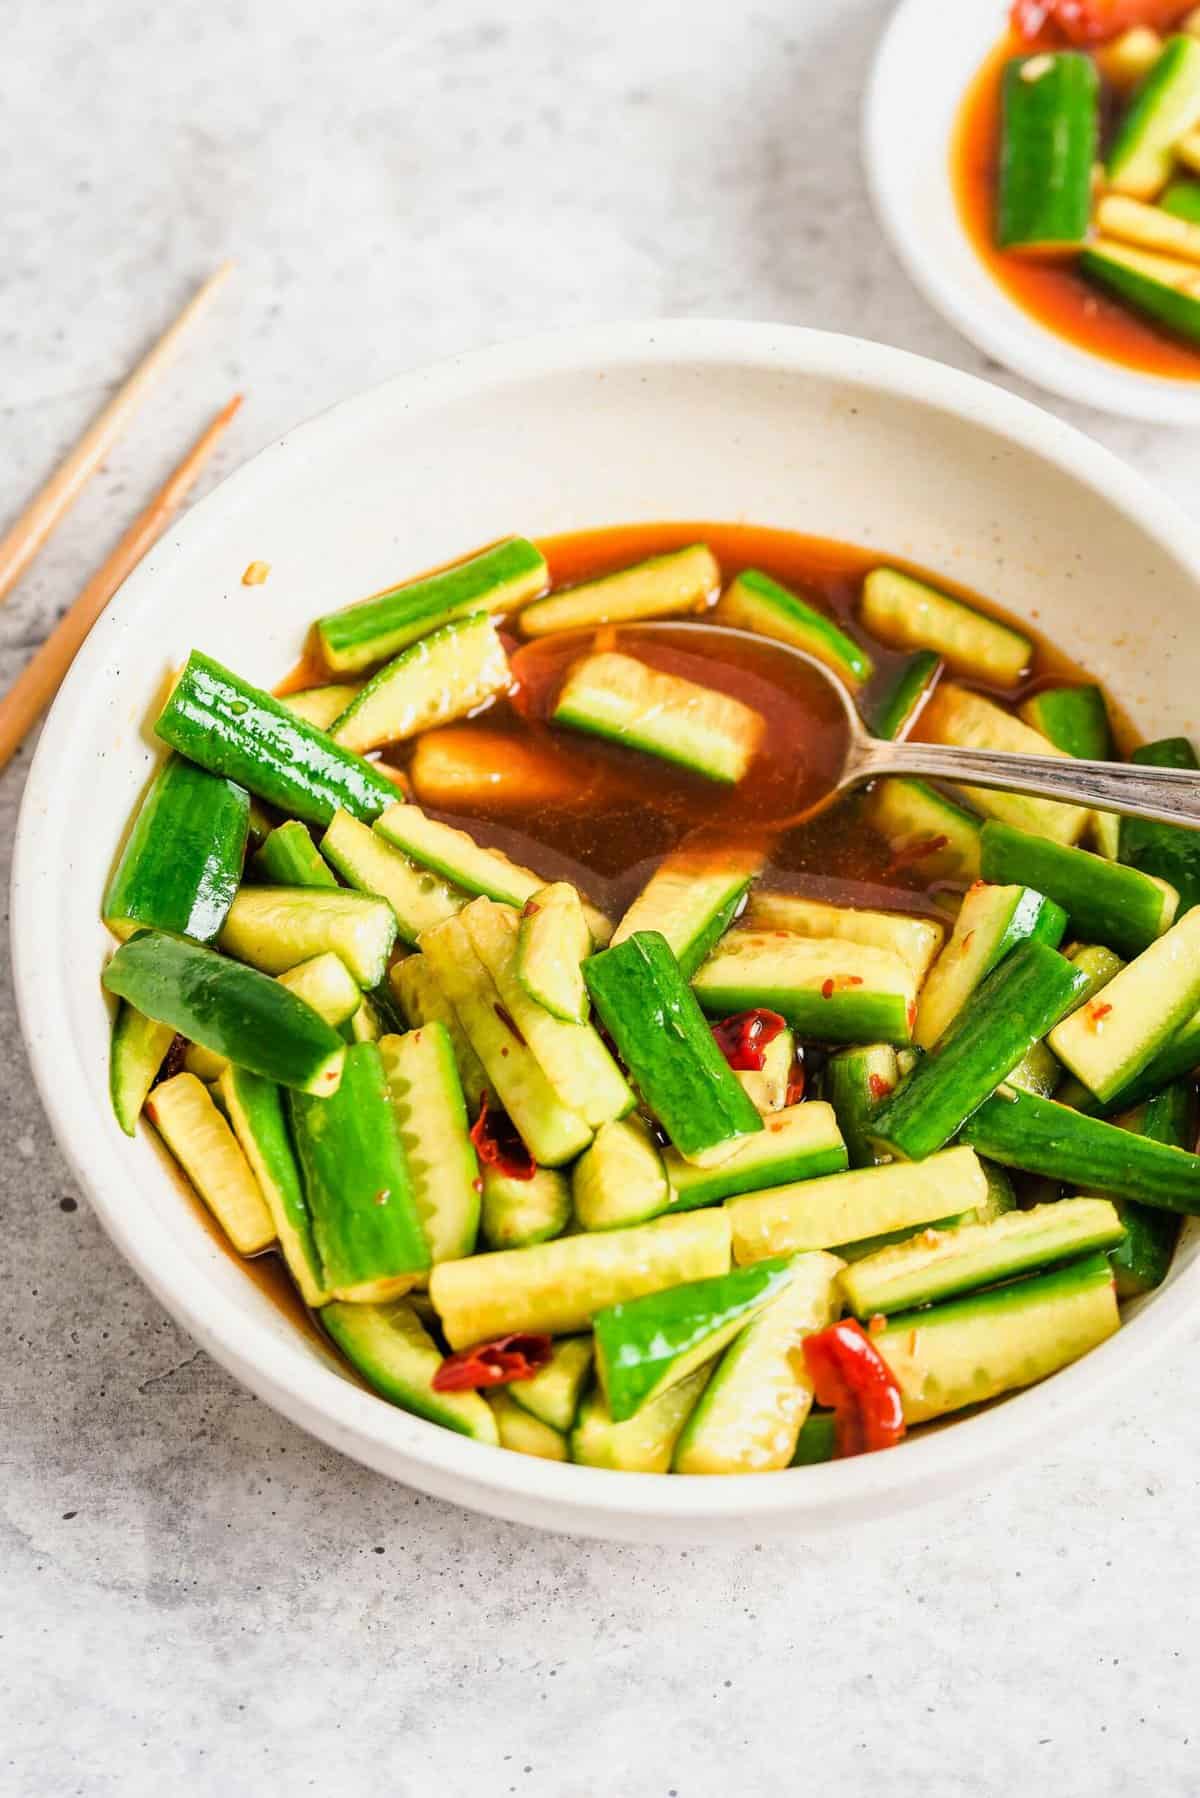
[[40, 679], [21, 543]]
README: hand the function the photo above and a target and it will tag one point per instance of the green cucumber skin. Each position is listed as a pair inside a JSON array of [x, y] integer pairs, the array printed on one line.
[[817, 1441], [366, 1224], [264, 1112], [1040, 1136], [1106, 902], [1178, 1056], [390, 1347], [290, 858], [1047, 147], [661, 1035], [1075, 719], [231, 728], [845, 1017], [637, 1342], [224, 1006], [753, 590], [1165, 850], [847, 1086], [1163, 304], [697, 952], [1175, 69], [1009, 1012], [1143, 1260], [905, 693], [372, 629], [138, 1048], [182, 864], [1182, 199]]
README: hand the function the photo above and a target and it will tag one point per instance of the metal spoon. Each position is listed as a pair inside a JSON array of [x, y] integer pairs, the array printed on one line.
[[1170, 795]]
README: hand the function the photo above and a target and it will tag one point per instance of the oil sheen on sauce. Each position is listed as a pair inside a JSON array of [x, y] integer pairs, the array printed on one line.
[[1049, 287]]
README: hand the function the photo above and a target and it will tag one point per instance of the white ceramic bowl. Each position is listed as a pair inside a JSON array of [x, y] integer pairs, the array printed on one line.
[[652, 421], [925, 63]]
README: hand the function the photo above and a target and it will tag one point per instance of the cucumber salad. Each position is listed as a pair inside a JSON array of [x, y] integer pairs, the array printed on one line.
[[607, 1097]]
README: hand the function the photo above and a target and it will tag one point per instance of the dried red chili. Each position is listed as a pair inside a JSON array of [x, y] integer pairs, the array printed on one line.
[[743, 1038], [850, 1376], [1092, 21], [497, 1363], [498, 1145]]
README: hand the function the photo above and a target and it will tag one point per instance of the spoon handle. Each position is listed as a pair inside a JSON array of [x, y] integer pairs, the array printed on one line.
[[1170, 795]]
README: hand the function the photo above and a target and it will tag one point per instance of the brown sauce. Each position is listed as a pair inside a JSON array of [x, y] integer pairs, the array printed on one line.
[[1050, 289]]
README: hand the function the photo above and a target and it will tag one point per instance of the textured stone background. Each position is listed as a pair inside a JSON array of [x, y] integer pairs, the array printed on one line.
[[193, 1591]]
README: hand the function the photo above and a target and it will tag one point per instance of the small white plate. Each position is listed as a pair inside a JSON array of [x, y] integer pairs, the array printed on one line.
[[925, 63]]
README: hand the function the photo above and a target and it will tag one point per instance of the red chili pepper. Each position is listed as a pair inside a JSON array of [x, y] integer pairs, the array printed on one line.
[[1092, 21], [850, 1376], [743, 1037], [496, 1363], [498, 1145], [880, 1088]]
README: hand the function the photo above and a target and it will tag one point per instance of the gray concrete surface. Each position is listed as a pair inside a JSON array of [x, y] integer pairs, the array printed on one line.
[[195, 1595]]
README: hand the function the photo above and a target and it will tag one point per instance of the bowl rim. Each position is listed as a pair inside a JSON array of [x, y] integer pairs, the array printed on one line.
[[282, 1370], [1007, 332]]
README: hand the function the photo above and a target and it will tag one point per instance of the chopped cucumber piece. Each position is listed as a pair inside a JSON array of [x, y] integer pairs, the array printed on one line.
[[690, 899], [1165, 290], [621, 1179], [523, 1433], [1111, 1039], [473, 770], [552, 1132], [1013, 1009], [684, 580], [458, 857], [915, 940], [229, 1009], [662, 1037], [1042, 1136], [1001, 1197], [969, 721], [237, 730], [357, 1182], [321, 705], [975, 1348], [442, 677], [290, 858], [857, 1081], [894, 710], [422, 1001], [646, 1442], [1126, 60], [182, 864], [1039, 1070], [754, 602], [824, 1214], [992, 921], [614, 696], [499, 579], [1075, 719], [1167, 851], [275, 928], [204, 1064], [205, 1147], [572, 1056], [325, 983], [256, 1112], [1182, 198], [800, 1143], [517, 1213], [554, 1391], [137, 1050], [817, 1441], [831, 991], [553, 944], [558, 1287], [938, 1263], [1151, 228], [390, 1347], [431, 1117], [418, 898], [646, 1345], [910, 614], [1164, 109], [925, 830], [750, 1415], [1143, 1259], [768, 1088], [1048, 135], [1119, 906], [365, 1024]]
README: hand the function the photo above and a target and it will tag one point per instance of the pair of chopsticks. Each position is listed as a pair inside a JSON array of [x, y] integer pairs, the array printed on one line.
[[39, 681]]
